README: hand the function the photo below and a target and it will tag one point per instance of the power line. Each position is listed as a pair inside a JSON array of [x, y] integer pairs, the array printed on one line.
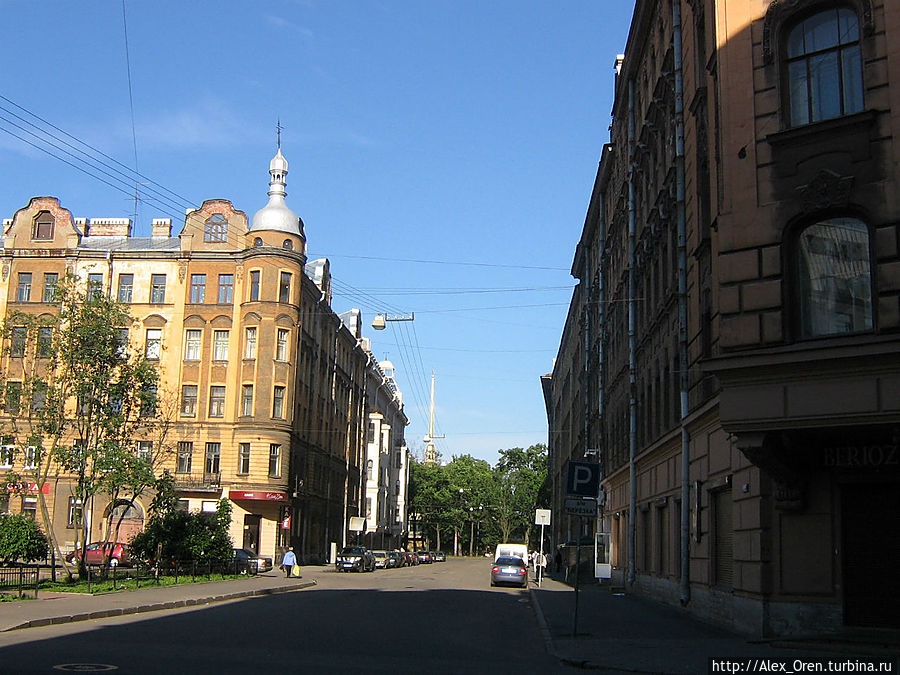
[[447, 262]]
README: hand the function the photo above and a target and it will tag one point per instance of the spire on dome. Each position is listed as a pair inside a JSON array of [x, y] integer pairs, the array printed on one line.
[[276, 215]]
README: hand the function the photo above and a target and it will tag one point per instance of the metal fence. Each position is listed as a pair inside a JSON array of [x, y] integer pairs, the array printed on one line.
[[179, 569], [19, 580]]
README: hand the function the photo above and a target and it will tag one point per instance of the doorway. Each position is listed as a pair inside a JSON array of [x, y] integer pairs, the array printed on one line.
[[251, 532], [871, 553]]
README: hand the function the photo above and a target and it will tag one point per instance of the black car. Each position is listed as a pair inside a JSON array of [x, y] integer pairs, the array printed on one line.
[[247, 561], [355, 559]]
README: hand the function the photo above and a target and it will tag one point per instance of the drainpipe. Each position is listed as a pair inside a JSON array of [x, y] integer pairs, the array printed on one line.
[[601, 318], [682, 310], [632, 403]]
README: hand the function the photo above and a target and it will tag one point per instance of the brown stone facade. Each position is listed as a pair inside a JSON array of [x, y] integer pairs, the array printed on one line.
[[762, 353]]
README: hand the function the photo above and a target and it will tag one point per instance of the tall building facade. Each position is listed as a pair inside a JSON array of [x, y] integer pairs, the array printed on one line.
[[269, 383], [738, 314]]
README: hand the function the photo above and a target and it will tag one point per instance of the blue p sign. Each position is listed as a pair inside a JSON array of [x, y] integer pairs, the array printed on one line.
[[583, 479]]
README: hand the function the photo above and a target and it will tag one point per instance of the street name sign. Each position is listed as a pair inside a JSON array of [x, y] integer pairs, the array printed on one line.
[[542, 516], [575, 506]]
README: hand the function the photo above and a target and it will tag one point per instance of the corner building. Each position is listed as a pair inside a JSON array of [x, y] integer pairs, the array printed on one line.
[[268, 382], [734, 341]]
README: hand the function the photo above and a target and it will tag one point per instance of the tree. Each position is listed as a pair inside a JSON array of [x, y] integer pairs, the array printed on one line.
[[21, 539], [81, 397], [522, 486], [173, 535]]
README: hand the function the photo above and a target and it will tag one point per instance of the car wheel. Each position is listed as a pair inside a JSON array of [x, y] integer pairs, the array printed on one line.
[[113, 562]]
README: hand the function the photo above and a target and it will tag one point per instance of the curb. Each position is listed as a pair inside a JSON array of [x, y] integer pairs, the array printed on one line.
[[542, 624], [155, 607]]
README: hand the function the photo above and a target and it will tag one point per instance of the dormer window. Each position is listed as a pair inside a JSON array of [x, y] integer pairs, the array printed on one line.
[[215, 228], [824, 67], [42, 227]]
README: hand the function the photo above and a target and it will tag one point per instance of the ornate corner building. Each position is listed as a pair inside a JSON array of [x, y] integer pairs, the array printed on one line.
[[733, 347], [270, 383]]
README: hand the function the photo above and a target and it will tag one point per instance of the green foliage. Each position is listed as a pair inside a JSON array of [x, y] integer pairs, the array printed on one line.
[[21, 539], [178, 535]]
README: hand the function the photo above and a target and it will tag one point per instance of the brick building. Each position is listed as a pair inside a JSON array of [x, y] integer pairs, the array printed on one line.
[[738, 314]]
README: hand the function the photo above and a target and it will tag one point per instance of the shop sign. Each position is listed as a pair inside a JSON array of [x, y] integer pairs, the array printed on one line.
[[31, 488], [861, 456], [286, 523], [258, 495]]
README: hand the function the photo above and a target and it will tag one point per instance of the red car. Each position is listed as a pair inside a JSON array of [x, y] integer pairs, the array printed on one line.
[[95, 553]]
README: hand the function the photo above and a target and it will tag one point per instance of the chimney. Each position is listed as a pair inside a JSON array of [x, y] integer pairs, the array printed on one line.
[[162, 228], [108, 227]]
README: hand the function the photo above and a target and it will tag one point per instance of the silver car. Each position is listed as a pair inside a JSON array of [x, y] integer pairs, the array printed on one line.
[[509, 571]]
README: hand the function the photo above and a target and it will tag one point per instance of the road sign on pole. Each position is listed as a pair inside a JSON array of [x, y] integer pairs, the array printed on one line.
[[578, 506], [542, 517], [583, 479]]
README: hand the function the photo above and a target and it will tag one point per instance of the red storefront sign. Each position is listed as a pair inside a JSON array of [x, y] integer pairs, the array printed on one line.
[[258, 495], [30, 488]]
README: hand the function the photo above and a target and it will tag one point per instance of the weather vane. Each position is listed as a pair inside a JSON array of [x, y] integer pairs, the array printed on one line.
[[278, 129]]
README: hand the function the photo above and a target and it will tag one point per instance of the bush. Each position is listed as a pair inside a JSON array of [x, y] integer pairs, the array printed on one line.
[[21, 539], [178, 535]]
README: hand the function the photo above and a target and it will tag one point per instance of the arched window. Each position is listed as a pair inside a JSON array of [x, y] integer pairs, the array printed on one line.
[[42, 227], [824, 67], [834, 278], [215, 228], [257, 242], [288, 244]]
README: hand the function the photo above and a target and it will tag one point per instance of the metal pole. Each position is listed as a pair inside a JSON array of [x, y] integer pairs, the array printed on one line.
[[577, 565], [541, 558]]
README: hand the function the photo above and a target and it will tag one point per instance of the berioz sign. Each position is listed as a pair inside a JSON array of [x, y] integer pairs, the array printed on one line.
[[583, 479]]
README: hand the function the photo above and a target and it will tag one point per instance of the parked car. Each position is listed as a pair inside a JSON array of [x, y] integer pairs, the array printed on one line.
[[439, 556], [96, 552], [380, 559], [248, 561], [424, 557], [355, 559], [394, 559], [411, 558], [507, 570]]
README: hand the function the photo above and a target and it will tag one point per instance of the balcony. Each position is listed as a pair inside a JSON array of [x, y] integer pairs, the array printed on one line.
[[198, 482]]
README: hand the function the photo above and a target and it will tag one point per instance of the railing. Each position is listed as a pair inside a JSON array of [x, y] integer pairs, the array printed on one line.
[[199, 481], [19, 579], [184, 569]]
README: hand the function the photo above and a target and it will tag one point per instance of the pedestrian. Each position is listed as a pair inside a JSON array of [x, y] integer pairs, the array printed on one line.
[[288, 562], [557, 560], [543, 563]]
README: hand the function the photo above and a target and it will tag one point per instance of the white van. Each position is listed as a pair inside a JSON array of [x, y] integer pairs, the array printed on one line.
[[514, 550]]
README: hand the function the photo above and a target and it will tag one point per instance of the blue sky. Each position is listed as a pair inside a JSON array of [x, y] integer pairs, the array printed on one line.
[[441, 156]]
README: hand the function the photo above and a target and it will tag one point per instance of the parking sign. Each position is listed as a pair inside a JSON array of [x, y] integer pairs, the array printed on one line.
[[583, 479]]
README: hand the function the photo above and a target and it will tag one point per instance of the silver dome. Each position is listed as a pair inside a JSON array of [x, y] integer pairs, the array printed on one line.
[[276, 215]]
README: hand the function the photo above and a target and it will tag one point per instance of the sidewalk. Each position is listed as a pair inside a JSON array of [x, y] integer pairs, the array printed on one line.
[[620, 633], [52, 608]]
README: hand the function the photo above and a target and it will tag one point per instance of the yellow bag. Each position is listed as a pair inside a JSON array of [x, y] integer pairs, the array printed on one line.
[[295, 571]]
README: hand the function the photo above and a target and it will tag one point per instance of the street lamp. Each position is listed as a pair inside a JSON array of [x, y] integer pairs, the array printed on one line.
[[379, 322]]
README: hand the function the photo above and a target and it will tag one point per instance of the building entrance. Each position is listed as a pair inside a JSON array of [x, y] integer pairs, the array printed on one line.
[[871, 553], [251, 532]]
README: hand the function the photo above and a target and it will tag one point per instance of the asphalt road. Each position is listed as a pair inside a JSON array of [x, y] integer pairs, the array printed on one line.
[[439, 618]]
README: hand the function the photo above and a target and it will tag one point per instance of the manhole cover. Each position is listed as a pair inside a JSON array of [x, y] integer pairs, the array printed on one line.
[[85, 667]]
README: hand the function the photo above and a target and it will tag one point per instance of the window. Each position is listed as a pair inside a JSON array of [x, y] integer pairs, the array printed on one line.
[[126, 286], [17, 341], [834, 282], [247, 400], [153, 344], [824, 67], [250, 342], [257, 242], [75, 512], [281, 344], [217, 401], [274, 460], [94, 286], [370, 435], [29, 507], [278, 403], [149, 400], [287, 245], [244, 458], [43, 226], [123, 342], [144, 451], [185, 454], [7, 452], [192, 337], [226, 289], [198, 288], [220, 345], [254, 285], [213, 453], [13, 397], [51, 281], [45, 341], [32, 458], [369, 469], [215, 228], [23, 290], [284, 287], [157, 289], [189, 400]]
